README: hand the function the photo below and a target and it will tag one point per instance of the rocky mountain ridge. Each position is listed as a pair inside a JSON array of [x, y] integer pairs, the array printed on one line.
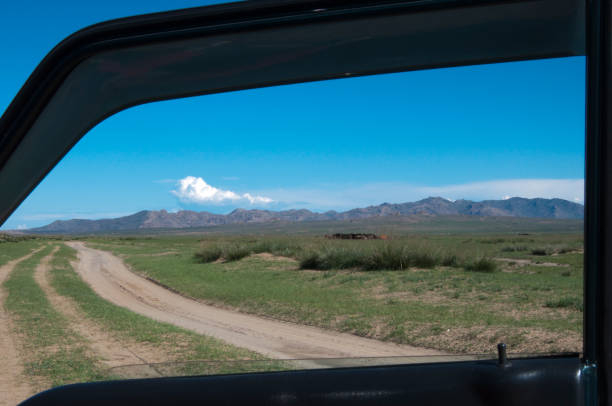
[[432, 206]]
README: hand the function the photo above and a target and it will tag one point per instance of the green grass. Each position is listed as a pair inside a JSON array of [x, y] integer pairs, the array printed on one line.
[[541, 251], [54, 353], [571, 302], [482, 265], [11, 249], [514, 248], [468, 307], [441, 291], [236, 252], [235, 249], [388, 225], [319, 254], [209, 254]]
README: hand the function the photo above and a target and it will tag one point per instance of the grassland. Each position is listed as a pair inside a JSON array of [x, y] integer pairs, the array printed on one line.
[[12, 248], [458, 291], [463, 293], [389, 225]]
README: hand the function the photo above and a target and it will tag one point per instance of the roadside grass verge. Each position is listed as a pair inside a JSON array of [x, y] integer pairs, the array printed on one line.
[[443, 307], [54, 354], [174, 343]]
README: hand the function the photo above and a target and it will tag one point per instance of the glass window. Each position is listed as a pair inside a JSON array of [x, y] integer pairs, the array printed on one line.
[[408, 217]]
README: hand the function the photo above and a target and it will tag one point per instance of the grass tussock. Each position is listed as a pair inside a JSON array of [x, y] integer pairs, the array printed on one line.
[[485, 265], [361, 255], [401, 257], [514, 248], [553, 250], [391, 257], [210, 254], [566, 302], [541, 251], [235, 252], [229, 251]]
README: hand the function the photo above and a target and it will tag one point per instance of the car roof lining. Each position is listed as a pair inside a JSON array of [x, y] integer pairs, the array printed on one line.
[[100, 75]]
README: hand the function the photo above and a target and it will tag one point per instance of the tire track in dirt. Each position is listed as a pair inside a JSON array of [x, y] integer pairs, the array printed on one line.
[[13, 388], [111, 279], [110, 351]]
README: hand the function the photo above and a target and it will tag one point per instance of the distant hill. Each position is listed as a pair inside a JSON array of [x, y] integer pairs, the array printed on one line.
[[432, 206]]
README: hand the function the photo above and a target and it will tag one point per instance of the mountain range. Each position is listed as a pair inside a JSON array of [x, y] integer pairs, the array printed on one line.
[[431, 206]]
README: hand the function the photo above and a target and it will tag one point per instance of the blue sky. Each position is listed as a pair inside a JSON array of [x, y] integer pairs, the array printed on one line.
[[481, 132]]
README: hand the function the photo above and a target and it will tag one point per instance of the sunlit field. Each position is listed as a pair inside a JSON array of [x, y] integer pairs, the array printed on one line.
[[456, 293], [452, 287]]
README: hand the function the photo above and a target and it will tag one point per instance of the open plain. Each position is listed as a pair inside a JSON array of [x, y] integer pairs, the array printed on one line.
[[108, 307]]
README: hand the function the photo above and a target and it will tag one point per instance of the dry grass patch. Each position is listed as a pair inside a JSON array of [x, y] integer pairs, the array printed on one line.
[[483, 339]]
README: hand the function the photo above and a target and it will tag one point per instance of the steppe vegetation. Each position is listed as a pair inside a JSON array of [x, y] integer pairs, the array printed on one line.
[[12, 248], [370, 255], [459, 293]]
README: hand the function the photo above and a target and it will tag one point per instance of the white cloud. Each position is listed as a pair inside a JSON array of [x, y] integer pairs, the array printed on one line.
[[256, 199], [196, 190], [22, 227]]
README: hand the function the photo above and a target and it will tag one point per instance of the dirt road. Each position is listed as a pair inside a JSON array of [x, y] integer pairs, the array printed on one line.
[[113, 281], [110, 351]]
